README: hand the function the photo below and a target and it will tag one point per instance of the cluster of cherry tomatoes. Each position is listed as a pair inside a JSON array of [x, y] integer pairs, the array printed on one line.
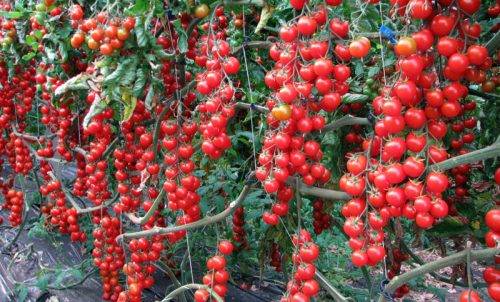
[[217, 277], [58, 119], [322, 220], [64, 218], [18, 155], [24, 94], [108, 255], [99, 33], [180, 183], [407, 125], [303, 286], [215, 86], [139, 269], [355, 136], [177, 131], [14, 202], [276, 257], [136, 165], [239, 234], [16, 101], [366, 242], [304, 81], [136, 156]]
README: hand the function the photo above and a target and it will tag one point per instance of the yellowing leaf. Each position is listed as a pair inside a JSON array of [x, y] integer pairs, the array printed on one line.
[[129, 103], [265, 15]]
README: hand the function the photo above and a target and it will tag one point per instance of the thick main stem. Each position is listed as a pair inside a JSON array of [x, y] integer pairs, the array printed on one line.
[[318, 192], [150, 212], [419, 261], [347, 120], [334, 293], [194, 225], [437, 265], [186, 287], [471, 157]]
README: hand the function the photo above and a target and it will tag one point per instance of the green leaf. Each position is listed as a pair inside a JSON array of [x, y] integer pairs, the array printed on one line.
[[32, 42], [358, 68], [140, 82], [140, 32], [38, 231], [162, 55], [42, 282], [330, 138], [139, 7], [38, 34], [61, 275], [21, 30], [219, 202], [118, 73], [11, 15], [77, 82], [149, 98], [29, 56], [129, 103], [373, 71], [63, 50], [182, 43], [76, 273], [254, 196], [21, 292], [130, 73], [349, 98]]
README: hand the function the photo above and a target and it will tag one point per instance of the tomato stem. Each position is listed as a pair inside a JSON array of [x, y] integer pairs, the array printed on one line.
[[471, 157], [437, 265]]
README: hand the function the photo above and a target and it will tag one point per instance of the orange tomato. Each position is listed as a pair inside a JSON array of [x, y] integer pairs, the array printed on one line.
[[282, 112], [92, 44], [360, 47], [106, 49], [122, 34], [77, 40], [201, 11], [405, 46]]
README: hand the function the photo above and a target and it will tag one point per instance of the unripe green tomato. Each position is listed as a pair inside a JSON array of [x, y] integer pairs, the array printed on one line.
[[7, 40], [369, 82], [40, 7]]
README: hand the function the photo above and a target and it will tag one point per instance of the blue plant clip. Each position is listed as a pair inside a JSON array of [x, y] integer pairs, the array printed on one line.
[[170, 15], [382, 286], [387, 33]]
